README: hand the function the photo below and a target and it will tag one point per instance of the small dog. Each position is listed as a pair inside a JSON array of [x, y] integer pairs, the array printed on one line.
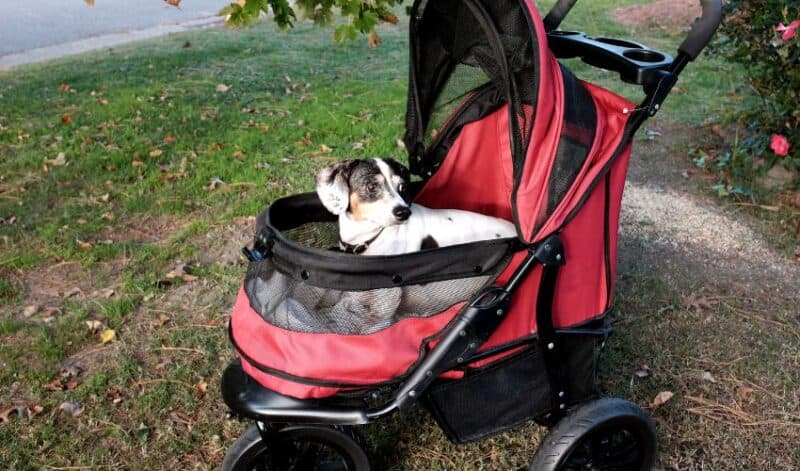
[[369, 196]]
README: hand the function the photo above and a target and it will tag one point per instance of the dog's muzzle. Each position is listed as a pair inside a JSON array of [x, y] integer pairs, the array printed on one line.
[[401, 213]]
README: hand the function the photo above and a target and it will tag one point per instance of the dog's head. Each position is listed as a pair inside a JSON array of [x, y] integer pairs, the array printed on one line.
[[368, 190]]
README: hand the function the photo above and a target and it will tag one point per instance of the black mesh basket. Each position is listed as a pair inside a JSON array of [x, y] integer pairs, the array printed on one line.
[[511, 391], [305, 284]]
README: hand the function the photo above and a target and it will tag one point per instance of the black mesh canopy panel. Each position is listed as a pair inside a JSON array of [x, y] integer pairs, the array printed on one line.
[[468, 57]]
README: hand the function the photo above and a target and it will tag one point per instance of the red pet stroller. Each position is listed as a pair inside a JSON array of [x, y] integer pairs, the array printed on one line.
[[486, 335]]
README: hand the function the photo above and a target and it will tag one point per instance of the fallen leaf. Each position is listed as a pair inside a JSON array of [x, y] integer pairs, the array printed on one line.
[[66, 119], [390, 18], [215, 182], [85, 246], [174, 3], [358, 145], [169, 139], [156, 153], [238, 155], [72, 292], [64, 87], [697, 302], [50, 311], [107, 216], [162, 319], [222, 88], [103, 101], [94, 326], [662, 398], [182, 271], [36, 410], [55, 385], [20, 411], [707, 376], [743, 393], [325, 149], [642, 372], [373, 40], [59, 161], [30, 310], [107, 336], [107, 292], [74, 409], [201, 387], [114, 395], [400, 144]]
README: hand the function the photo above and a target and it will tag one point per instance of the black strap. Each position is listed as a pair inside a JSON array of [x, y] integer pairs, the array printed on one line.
[[358, 249]]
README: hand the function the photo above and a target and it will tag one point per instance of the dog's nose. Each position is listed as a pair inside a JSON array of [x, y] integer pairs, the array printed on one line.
[[401, 213]]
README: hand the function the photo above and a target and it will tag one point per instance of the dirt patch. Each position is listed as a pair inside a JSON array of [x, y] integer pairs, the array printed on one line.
[[145, 228], [223, 244], [670, 15], [53, 284]]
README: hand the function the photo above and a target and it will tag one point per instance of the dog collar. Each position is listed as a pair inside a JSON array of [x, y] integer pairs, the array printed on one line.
[[358, 249]]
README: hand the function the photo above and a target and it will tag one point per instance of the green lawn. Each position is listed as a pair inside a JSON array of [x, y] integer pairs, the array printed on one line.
[[169, 147]]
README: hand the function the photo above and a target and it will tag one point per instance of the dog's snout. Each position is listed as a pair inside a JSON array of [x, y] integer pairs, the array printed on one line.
[[401, 213]]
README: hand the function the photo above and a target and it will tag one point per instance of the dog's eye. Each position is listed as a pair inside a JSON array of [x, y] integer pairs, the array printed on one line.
[[401, 188]]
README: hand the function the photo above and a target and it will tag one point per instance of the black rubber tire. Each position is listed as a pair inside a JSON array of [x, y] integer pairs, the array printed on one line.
[[249, 451], [576, 435]]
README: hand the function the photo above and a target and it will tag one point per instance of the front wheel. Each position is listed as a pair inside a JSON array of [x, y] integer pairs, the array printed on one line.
[[607, 434], [298, 447]]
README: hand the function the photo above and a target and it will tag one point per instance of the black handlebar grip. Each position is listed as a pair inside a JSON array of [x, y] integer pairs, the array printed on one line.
[[703, 28]]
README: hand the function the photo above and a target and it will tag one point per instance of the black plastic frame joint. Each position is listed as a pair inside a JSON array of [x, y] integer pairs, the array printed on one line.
[[550, 252], [658, 88]]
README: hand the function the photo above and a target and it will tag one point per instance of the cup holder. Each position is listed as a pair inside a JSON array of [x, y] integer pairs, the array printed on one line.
[[618, 42], [644, 55]]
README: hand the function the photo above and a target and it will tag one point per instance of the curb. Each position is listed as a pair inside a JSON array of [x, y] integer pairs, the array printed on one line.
[[56, 51]]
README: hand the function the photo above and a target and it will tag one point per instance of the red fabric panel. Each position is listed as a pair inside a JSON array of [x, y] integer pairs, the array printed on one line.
[[360, 359], [478, 167], [617, 177]]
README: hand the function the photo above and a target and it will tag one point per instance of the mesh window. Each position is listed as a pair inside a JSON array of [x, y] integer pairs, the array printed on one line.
[[461, 48], [319, 235], [577, 137], [295, 305]]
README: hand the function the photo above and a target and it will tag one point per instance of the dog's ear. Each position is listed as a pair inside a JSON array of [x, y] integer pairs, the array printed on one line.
[[332, 186], [399, 169]]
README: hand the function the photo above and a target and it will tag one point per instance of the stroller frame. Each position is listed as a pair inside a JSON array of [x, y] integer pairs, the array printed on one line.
[[326, 420]]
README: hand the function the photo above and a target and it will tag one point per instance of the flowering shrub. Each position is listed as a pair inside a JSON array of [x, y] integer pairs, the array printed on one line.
[[762, 36]]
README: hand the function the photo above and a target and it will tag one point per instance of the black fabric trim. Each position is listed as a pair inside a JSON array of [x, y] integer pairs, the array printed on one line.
[[536, 78], [607, 238], [348, 272]]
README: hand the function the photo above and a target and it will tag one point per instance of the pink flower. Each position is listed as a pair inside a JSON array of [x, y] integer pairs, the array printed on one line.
[[780, 145], [788, 31]]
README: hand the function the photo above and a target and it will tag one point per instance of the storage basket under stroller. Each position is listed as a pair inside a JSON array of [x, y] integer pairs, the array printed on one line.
[[496, 125]]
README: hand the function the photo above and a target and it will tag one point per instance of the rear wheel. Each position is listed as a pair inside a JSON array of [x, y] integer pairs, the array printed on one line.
[[608, 434], [298, 447]]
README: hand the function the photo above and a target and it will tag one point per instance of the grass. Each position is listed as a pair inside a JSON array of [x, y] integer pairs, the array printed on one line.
[[145, 130]]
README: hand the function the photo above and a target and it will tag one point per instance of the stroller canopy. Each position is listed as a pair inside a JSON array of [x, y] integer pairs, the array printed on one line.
[[483, 86]]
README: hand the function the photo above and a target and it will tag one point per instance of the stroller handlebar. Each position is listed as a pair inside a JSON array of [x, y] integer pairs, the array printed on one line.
[[703, 28]]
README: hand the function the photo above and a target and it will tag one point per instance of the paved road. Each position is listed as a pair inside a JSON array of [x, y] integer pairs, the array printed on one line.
[[26, 25]]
